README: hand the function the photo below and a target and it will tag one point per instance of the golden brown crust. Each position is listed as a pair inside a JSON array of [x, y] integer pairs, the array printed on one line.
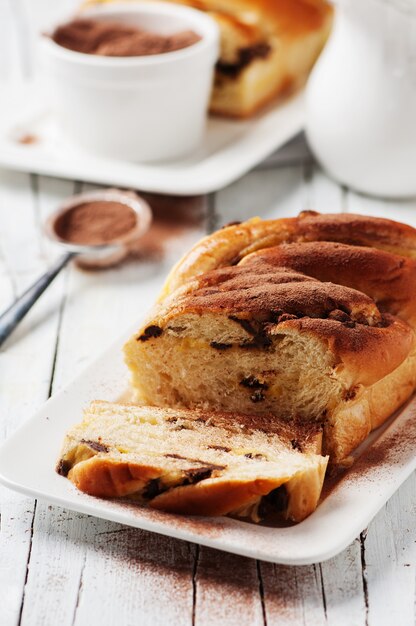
[[291, 17], [277, 288], [359, 230], [213, 497], [352, 422], [106, 478], [354, 348], [231, 244], [389, 279], [349, 281]]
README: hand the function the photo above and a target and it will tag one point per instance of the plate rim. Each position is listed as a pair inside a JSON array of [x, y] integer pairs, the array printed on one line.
[[200, 177]]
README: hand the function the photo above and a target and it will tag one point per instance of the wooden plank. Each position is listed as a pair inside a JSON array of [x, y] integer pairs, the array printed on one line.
[[294, 152], [282, 192], [227, 590], [98, 572], [390, 560], [132, 576], [34, 340], [25, 261], [19, 234], [292, 595], [26, 362], [322, 193], [267, 193], [342, 580], [16, 511]]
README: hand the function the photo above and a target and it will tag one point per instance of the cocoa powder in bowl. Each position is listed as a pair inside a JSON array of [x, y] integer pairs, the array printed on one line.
[[95, 222]]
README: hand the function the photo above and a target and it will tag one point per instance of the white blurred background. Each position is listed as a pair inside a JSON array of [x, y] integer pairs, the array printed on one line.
[[20, 22]]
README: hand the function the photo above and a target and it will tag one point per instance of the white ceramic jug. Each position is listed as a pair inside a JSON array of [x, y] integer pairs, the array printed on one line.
[[361, 98]]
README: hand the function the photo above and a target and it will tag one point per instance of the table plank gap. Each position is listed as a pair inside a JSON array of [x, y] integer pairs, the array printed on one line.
[[271, 193], [261, 592], [227, 590], [321, 580], [194, 583], [363, 536], [390, 557], [61, 310], [293, 595], [39, 225], [322, 193], [7, 277], [294, 152], [133, 575], [345, 567], [80, 588], [212, 216], [27, 563]]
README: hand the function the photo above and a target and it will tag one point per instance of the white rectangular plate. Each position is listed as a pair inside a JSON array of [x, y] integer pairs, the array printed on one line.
[[230, 149], [28, 459]]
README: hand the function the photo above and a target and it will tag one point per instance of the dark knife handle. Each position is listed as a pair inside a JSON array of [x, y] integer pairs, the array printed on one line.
[[16, 312]]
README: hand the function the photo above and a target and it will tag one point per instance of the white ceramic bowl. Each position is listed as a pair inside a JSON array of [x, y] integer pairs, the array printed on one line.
[[143, 108]]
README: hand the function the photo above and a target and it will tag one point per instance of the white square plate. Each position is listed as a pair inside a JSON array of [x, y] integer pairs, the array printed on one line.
[[28, 459], [230, 149]]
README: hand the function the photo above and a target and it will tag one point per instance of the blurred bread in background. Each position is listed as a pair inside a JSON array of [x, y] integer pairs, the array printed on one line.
[[268, 48]]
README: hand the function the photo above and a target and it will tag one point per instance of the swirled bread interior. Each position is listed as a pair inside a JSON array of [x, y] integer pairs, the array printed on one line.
[[311, 317], [196, 462]]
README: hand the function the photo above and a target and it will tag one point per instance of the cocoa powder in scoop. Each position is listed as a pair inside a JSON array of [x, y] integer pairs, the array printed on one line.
[[94, 223]]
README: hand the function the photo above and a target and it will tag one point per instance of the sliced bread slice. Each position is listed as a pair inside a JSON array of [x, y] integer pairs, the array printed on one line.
[[196, 462]]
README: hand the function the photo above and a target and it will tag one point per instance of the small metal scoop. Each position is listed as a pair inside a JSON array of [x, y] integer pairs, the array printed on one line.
[[99, 255]]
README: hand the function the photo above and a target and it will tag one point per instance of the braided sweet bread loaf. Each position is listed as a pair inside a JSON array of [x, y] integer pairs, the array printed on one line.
[[309, 317]]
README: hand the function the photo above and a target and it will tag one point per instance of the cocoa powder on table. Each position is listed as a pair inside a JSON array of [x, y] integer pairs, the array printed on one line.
[[95, 223], [174, 217]]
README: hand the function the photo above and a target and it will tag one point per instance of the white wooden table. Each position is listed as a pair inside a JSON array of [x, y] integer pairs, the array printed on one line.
[[60, 567]]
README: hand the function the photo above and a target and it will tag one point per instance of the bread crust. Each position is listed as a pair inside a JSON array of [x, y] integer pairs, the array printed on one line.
[[223, 497], [106, 478], [387, 278], [348, 281], [232, 243]]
